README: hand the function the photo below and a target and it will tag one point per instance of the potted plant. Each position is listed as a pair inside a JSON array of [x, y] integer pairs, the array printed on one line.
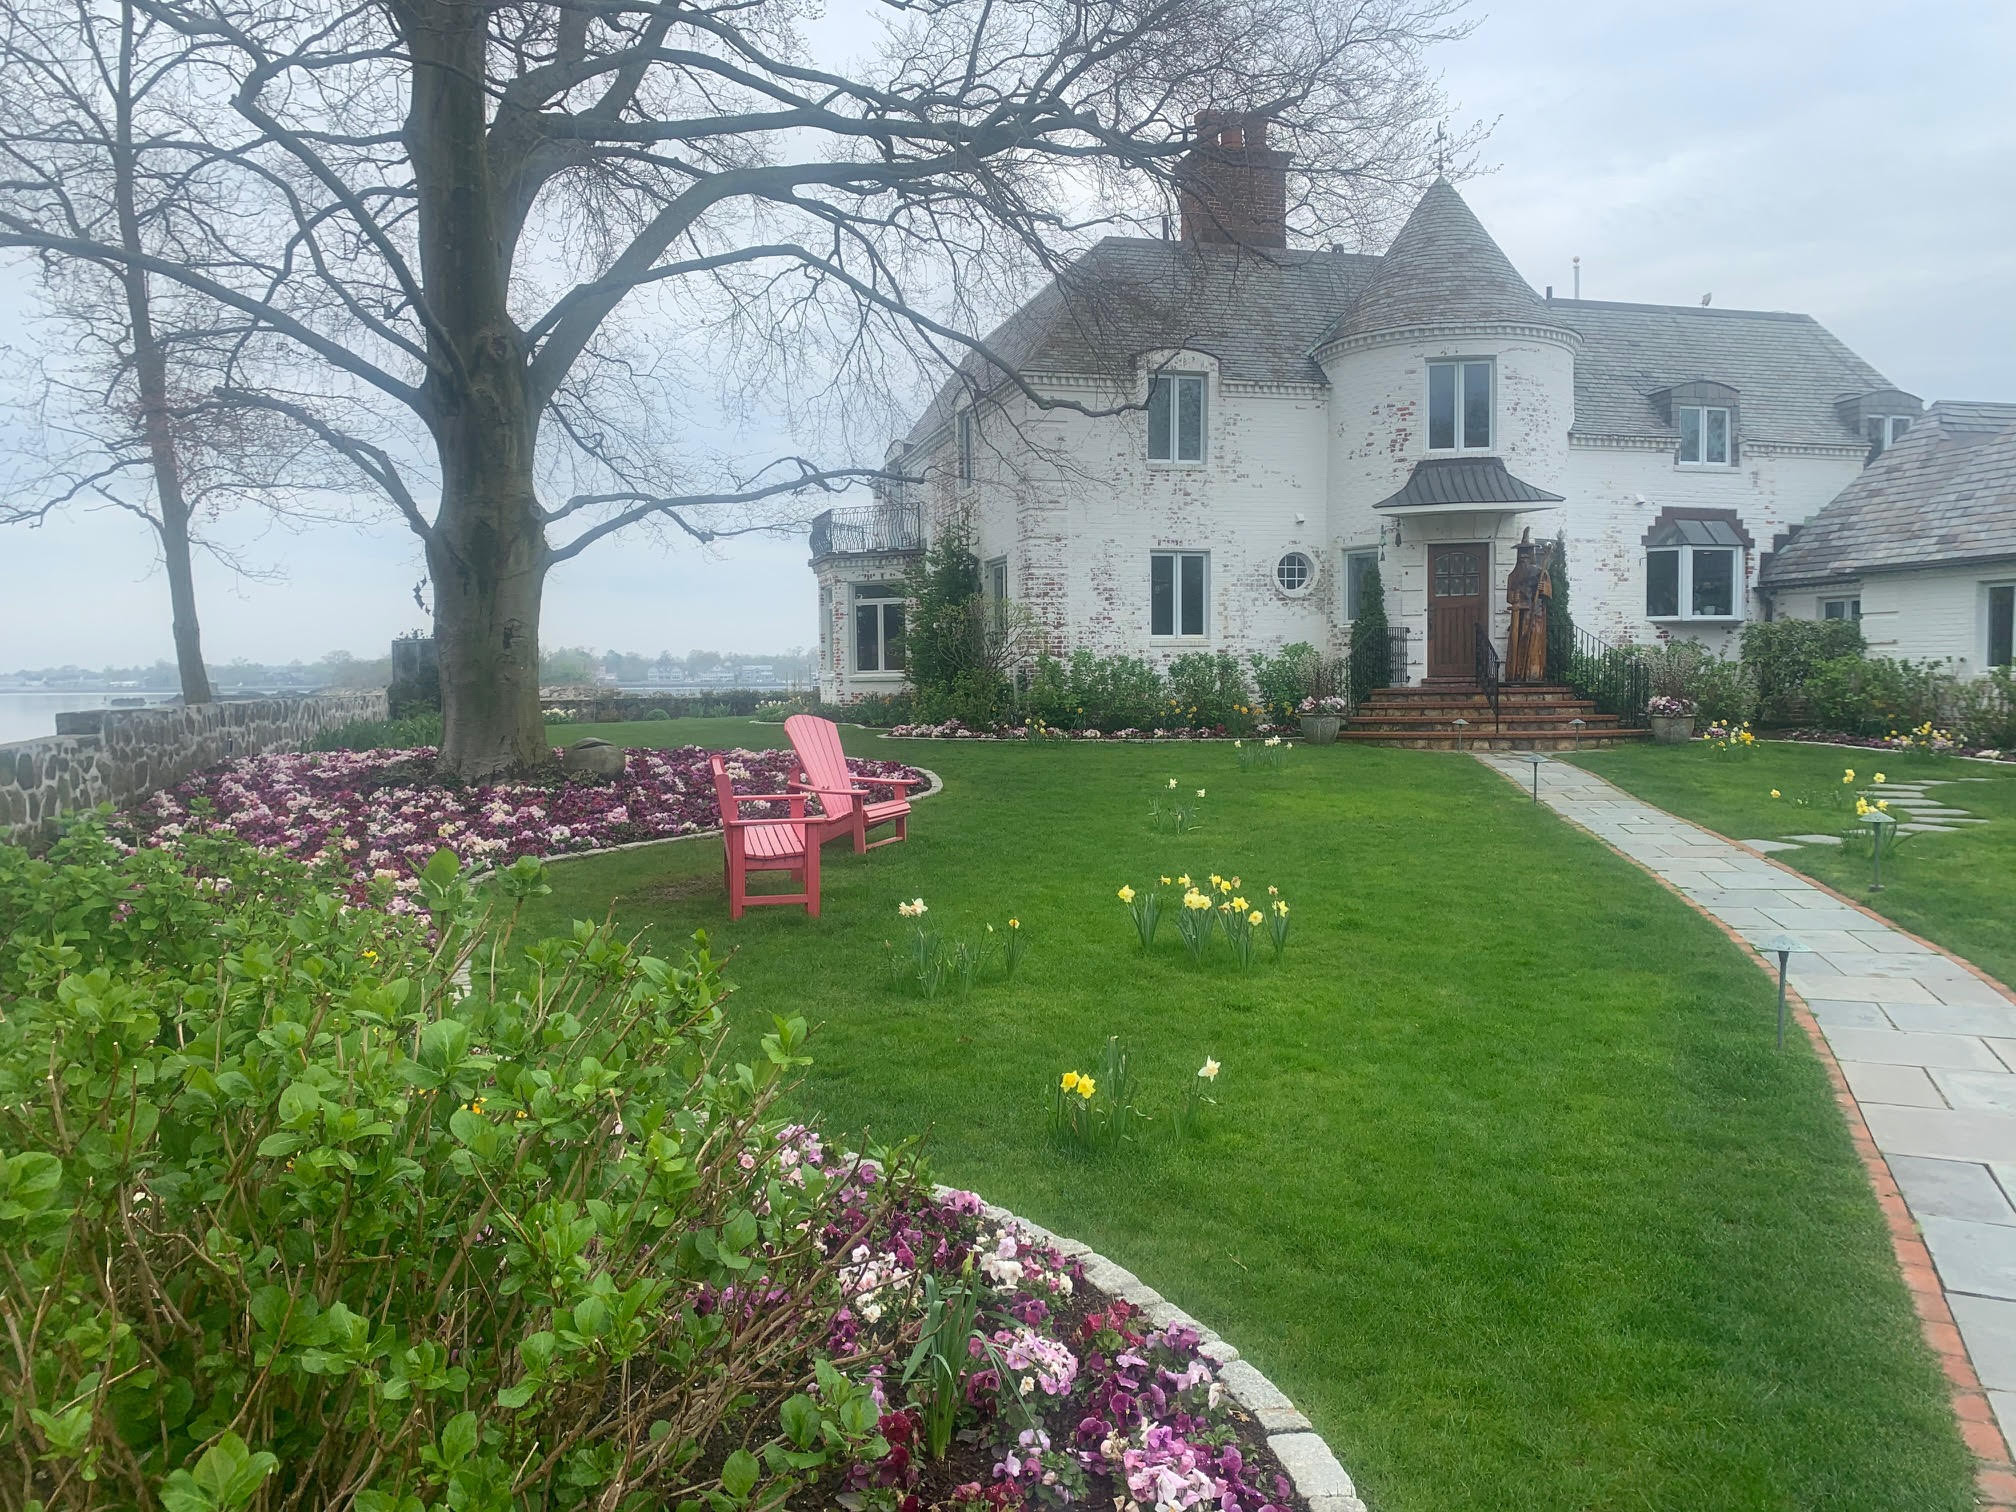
[[1323, 716], [1672, 719]]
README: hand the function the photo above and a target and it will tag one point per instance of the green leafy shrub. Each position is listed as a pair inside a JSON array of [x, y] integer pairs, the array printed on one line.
[[1212, 687], [1371, 658], [1855, 695], [1560, 617], [1282, 680], [1984, 709], [1722, 690], [1783, 654], [388, 1211], [403, 734]]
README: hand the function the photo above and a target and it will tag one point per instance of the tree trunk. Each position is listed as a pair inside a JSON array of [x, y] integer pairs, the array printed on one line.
[[486, 550], [150, 369]]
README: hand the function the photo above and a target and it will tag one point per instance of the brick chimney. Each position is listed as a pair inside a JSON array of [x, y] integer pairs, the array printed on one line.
[[1233, 189]]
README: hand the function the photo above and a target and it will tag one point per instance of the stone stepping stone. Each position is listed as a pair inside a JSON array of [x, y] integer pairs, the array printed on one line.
[[1926, 829], [1816, 839], [1767, 846]]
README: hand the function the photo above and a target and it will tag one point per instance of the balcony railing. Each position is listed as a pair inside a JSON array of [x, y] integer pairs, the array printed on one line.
[[868, 528]]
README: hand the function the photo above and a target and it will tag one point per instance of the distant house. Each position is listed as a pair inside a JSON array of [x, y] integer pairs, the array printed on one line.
[[1921, 548], [1234, 430]]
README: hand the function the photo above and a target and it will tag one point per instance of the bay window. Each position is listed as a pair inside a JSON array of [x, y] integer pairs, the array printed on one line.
[[1694, 570], [878, 627]]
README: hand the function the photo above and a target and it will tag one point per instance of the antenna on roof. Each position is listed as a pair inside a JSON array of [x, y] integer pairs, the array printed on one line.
[[1578, 276]]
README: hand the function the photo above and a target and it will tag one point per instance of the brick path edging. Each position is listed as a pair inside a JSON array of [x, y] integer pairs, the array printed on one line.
[[1304, 1455], [1994, 1469]]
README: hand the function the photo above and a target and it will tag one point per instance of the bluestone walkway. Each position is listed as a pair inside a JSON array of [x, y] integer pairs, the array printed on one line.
[[1927, 1046]]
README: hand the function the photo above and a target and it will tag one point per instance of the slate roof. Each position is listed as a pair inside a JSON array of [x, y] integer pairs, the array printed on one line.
[[1442, 269], [1455, 481], [1945, 494], [1264, 314], [1258, 312], [1788, 370]]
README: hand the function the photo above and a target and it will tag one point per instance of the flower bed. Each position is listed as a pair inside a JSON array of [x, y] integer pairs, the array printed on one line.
[[1939, 744], [952, 729], [1061, 1395], [378, 815]]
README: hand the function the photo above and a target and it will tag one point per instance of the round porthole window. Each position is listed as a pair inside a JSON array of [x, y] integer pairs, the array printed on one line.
[[1294, 571]]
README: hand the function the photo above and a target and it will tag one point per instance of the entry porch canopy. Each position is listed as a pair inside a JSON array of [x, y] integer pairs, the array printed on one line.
[[1452, 485]]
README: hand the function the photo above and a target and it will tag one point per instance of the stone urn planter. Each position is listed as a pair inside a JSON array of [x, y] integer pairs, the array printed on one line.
[[1672, 729], [1321, 729], [593, 758]]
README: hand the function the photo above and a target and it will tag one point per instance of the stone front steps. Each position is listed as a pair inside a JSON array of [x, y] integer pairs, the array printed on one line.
[[1530, 717]]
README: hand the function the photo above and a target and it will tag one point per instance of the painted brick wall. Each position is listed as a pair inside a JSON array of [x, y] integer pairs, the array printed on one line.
[[1936, 613]]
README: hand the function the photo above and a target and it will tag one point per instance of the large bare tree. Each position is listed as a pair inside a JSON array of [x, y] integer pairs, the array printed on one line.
[[506, 245]]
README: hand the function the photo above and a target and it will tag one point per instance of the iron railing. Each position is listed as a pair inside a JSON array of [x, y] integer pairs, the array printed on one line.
[[1614, 678], [1488, 671], [1396, 662], [869, 527]]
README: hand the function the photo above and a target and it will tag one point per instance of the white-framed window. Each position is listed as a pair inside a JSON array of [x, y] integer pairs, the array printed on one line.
[[2002, 624], [1691, 582], [967, 425], [1841, 608], [996, 575], [1176, 417], [1177, 585], [1294, 572], [1883, 432], [1459, 405], [1704, 435], [1358, 565], [878, 627]]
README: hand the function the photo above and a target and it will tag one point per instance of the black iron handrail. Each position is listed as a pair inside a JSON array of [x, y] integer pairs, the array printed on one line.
[[1614, 678], [1488, 671], [872, 527]]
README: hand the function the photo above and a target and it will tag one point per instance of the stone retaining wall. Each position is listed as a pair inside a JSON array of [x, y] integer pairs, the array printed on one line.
[[119, 755]]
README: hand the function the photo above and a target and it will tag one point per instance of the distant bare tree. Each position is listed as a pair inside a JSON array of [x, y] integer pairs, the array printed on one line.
[[463, 195], [92, 130]]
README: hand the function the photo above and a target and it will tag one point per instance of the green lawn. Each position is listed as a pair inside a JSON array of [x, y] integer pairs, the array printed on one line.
[[1507, 1187], [1958, 890]]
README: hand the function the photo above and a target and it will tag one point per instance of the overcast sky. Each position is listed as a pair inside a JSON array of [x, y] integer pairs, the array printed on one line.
[[1852, 160]]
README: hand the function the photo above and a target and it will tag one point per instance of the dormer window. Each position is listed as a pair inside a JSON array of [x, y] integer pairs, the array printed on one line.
[[1459, 406], [1176, 417], [1704, 435], [1884, 431]]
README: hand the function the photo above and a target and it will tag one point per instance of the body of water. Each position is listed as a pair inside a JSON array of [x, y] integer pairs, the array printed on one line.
[[26, 713]]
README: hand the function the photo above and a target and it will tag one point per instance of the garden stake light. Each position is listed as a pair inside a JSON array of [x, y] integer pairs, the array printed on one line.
[[1880, 824], [1461, 725], [1577, 725], [1784, 947]]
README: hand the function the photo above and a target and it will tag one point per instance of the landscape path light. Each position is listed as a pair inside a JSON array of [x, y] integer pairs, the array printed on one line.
[[1880, 825], [1462, 724], [1537, 760], [1784, 947], [1577, 725]]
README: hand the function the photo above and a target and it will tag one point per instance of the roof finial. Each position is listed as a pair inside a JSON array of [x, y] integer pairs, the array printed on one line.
[[1438, 150]]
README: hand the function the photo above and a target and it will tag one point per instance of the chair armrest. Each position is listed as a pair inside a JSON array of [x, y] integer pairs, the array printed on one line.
[[797, 819], [902, 782], [796, 800]]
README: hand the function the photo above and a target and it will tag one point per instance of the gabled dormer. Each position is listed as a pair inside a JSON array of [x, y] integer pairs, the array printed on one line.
[[1706, 414]]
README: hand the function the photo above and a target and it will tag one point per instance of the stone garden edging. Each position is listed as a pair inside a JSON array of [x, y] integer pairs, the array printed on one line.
[[1305, 1456]]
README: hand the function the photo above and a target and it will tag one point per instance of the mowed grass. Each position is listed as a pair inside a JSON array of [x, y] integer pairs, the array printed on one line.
[[1958, 890], [1507, 1187]]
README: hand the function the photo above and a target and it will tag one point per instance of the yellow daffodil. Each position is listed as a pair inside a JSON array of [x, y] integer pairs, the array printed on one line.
[[1070, 1081], [1224, 886], [1273, 891], [1861, 807], [1849, 775], [1200, 792], [1126, 895], [1881, 778], [1238, 902], [1172, 782], [1255, 917], [1776, 794], [1086, 1087], [1216, 879], [1195, 899], [1281, 907], [1235, 881], [1184, 880], [1209, 1070], [1165, 881], [1014, 923], [1883, 804]]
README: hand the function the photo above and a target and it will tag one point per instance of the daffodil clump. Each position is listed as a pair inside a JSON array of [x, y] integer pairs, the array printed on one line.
[[1215, 906], [1097, 1112], [1262, 755], [1926, 737], [929, 961], [1195, 1099], [1725, 737], [1171, 810]]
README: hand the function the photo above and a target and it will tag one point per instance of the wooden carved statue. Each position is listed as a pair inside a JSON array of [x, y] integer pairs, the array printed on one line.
[[1527, 592]]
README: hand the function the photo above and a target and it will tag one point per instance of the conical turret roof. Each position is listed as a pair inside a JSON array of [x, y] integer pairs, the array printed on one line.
[[1443, 269]]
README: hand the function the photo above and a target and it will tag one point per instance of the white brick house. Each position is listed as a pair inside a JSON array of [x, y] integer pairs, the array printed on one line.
[[1265, 420]]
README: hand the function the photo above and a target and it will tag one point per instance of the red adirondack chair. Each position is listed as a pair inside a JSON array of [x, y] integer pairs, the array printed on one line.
[[842, 795], [767, 844]]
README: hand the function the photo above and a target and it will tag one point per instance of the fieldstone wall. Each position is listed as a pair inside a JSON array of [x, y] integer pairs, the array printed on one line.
[[119, 755]]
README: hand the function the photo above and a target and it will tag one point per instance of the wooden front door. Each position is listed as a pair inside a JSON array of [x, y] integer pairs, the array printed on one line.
[[1457, 604]]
